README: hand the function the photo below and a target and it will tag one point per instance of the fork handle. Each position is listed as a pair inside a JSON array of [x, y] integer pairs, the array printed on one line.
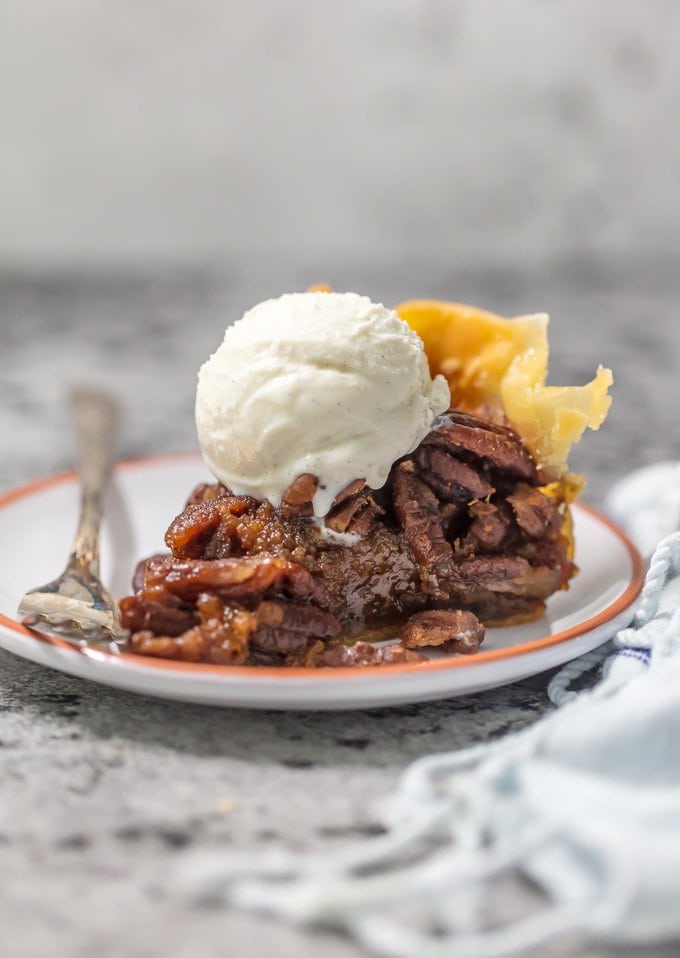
[[96, 416]]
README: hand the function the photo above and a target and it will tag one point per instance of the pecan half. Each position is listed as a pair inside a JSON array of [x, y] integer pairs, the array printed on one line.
[[249, 576], [535, 512], [286, 629], [418, 511], [490, 526], [450, 478], [499, 446], [297, 499], [363, 654], [455, 630]]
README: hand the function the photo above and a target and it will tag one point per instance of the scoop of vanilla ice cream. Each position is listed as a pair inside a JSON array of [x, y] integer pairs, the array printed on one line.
[[323, 383]]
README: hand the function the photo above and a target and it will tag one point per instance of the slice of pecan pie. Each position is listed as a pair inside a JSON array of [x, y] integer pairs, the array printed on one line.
[[463, 523], [471, 528]]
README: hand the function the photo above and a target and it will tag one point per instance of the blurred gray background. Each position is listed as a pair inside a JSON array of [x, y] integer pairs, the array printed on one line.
[[165, 164], [465, 131]]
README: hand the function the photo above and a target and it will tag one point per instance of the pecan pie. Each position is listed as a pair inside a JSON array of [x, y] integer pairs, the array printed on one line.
[[463, 523], [312, 568]]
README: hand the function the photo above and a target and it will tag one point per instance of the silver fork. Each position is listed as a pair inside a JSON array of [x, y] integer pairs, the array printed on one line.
[[76, 606]]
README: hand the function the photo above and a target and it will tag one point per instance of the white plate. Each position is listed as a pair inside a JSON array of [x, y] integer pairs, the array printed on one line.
[[37, 522]]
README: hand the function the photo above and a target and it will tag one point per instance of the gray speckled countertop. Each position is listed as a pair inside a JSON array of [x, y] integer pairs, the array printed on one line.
[[101, 792]]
